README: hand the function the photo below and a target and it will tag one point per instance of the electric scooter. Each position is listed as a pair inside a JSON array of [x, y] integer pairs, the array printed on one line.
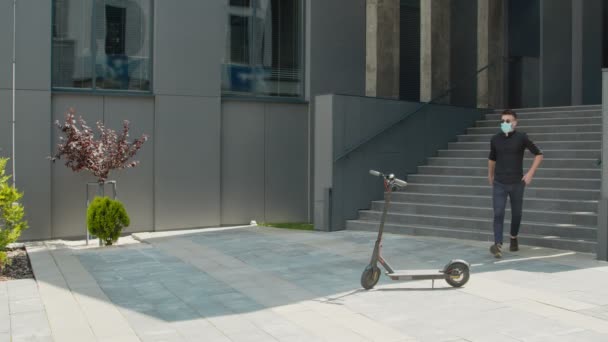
[[456, 272]]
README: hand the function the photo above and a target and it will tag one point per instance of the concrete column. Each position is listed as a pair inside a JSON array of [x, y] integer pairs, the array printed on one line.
[[490, 49], [602, 227], [434, 49], [382, 57]]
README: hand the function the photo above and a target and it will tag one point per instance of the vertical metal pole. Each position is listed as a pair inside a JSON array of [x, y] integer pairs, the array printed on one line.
[[602, 226], [13, 95]]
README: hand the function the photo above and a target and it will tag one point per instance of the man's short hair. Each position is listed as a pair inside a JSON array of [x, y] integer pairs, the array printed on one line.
[[509, 112]]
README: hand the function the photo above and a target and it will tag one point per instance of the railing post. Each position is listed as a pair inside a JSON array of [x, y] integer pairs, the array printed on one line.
[[602, 227]]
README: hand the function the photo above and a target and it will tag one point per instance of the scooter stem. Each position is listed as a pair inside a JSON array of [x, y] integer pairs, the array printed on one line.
[[378, 245]]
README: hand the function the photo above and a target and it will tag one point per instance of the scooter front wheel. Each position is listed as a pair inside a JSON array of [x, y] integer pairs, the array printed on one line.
[[457, 274], [370, 276]]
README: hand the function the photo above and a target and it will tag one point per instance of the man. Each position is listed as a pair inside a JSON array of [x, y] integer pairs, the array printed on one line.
[[505, 174]]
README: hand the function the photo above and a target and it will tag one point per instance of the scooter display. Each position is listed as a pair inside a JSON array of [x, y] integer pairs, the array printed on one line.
[[456, 272]]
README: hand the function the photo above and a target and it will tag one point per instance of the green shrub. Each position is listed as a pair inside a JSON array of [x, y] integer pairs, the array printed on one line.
[[106, 218], [11, 213]]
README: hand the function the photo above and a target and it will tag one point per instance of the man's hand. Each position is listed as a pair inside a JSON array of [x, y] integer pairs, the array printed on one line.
[[491, 180], [527, 178]]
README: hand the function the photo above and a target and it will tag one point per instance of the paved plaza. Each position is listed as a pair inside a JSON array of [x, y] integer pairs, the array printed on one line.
[[266, 284]]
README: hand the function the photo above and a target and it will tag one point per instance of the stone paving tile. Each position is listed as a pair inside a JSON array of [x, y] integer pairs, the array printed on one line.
[[261, 284], [30, 326]]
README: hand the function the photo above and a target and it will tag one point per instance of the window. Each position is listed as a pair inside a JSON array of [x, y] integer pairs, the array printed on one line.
[[264, 48], [102, 45]]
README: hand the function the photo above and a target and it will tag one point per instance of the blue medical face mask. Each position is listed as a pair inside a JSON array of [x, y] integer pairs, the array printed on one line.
[[506, 126]]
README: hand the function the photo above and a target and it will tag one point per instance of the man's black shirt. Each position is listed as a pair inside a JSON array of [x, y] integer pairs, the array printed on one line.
[[508, 153]]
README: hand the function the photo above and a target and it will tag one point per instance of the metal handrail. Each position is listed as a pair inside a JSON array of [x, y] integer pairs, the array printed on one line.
[[419, 108]]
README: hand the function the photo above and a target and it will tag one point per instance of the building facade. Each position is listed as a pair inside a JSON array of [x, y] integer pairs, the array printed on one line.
[[226, 89], [221, 87]]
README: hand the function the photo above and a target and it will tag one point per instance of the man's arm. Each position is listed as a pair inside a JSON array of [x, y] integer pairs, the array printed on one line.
[[491, 162], [491, 167], [537, 160]]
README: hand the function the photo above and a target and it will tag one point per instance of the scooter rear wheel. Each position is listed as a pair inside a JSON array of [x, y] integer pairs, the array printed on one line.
[[369, 277], [457, 274]]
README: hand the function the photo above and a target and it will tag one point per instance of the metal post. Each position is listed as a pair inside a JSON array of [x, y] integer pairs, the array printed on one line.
[[14, 177], [602, 227]]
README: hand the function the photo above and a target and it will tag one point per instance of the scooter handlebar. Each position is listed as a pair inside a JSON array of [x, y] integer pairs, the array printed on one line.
[[397, 182], [400, 183], [375, 173]]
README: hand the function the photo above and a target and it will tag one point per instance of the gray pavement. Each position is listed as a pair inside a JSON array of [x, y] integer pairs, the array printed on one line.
[[265, 284]]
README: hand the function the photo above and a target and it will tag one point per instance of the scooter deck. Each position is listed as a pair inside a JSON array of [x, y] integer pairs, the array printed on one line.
[[416, 274]]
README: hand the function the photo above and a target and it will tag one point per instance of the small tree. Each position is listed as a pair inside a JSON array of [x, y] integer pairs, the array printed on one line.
[[11, 213], [82, 151], [106, 218]]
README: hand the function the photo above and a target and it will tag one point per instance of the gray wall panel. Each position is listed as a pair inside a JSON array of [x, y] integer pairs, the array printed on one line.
[[556, 51], [336, 43], [33, 44], [6, 41], [242, 162], [286, 163], [32, 147], [187, 162], [68, 187], [136, 185], [188, 46]]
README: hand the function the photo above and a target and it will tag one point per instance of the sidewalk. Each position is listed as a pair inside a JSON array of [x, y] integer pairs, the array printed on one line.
[[265, 284]]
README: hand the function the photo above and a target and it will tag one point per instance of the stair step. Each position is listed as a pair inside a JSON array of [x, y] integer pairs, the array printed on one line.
[[459, 222], [567, 154], [531, 203], [536, 137], [567, 183], [579, 245], [482, 171], [588, 219], [592, 120], [549, 145], [541, 129], [553, 109], [570, 194], [550, 114], [548, 163]]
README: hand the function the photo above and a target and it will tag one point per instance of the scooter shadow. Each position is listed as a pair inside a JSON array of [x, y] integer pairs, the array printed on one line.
[[332, 300]]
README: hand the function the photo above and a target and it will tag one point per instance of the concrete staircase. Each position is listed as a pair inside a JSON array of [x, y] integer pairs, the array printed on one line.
[[451, 197]]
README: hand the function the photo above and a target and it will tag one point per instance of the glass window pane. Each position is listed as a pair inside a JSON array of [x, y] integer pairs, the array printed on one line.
[[263, 48], [72, 63], [122, 43]]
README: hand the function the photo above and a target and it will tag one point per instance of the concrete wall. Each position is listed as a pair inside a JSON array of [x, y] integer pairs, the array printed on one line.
[[344, 121]]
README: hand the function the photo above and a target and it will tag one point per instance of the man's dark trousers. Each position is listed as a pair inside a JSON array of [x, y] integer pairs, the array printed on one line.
[[500, 192]]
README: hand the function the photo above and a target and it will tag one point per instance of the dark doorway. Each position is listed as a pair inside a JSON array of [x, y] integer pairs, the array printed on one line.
[[409, 51]]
